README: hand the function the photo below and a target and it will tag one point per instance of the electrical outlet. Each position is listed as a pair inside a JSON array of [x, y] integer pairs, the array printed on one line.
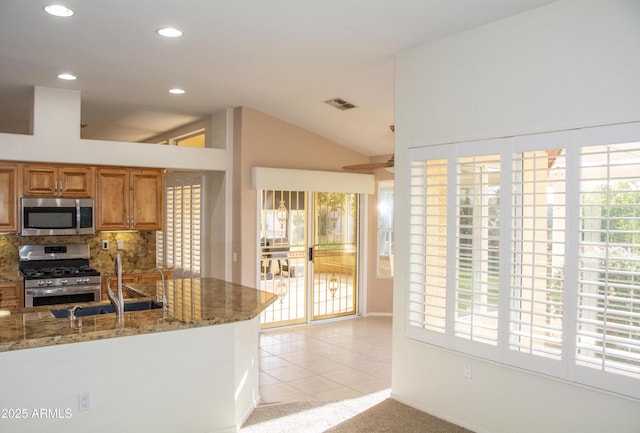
[[105, 245], [84, 401], [120, 244], [467, 370]]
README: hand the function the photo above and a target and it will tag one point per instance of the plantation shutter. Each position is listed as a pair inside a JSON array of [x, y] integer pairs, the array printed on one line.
[[608, 331], [538, 245], [477, 248], [428, 245], [526, 251], [179, 245]]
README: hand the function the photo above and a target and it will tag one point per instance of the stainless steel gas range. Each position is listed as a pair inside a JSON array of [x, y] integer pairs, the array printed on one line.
[[58, 274]]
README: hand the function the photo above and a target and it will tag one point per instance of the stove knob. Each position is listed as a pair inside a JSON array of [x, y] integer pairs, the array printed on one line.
[[64, 281], [41, 283], [49, 282]]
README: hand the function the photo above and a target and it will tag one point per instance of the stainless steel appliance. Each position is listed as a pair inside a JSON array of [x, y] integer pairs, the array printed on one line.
[[58, 274], [57, 216]]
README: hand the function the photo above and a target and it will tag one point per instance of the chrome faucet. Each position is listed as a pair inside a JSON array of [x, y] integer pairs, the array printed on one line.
[[164, 294], [117, 299], [72, 312], [72, 317]]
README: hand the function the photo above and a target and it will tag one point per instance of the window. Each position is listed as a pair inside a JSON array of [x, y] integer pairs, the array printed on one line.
[[179, 244], [195, 139], [385, 229], [477, 241], [526, 251], [608, 335], [537, 241]]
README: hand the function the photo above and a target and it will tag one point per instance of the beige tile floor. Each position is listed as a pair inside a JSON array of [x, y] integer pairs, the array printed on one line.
[[321, 362]]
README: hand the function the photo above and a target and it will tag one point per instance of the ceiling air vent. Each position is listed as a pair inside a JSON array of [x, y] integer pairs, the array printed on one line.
[[340, 103]]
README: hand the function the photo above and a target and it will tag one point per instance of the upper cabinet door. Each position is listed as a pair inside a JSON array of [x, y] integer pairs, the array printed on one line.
[[76, 181], [129, 199], [8, 197], [42, 180], [112, 201], [146, 199]]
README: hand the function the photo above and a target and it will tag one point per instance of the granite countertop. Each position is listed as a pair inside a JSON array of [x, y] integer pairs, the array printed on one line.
[[10, 277], [164, 269], [191, 303]]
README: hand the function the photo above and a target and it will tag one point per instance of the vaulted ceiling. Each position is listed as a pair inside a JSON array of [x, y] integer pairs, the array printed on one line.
[[283, 57]]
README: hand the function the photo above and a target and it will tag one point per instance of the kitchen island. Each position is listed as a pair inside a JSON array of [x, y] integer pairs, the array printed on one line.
[[191, 368]]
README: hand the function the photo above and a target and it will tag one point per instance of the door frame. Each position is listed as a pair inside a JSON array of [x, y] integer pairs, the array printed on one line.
[[357, 287], [289, 179], [361, 257]]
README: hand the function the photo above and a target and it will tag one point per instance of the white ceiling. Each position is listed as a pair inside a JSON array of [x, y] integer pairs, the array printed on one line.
[[282, 57]]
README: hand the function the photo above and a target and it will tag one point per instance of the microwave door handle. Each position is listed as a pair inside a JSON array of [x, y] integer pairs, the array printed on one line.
[[77, 215]]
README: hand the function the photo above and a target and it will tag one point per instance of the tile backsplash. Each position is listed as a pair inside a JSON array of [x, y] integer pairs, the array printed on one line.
[[138, 253]]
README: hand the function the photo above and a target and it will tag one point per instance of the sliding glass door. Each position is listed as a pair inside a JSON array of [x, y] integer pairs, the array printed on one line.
[[334, 254], [283, 256], [308, 255]]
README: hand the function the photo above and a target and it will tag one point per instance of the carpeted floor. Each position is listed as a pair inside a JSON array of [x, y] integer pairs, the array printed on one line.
[[391, 416], [367, 414]]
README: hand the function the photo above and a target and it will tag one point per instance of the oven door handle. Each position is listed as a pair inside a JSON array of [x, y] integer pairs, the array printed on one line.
[[77, 215], [33, 291]]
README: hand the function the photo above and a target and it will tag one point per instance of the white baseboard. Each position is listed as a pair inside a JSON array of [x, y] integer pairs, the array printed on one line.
[[378, 315], [247, 413]]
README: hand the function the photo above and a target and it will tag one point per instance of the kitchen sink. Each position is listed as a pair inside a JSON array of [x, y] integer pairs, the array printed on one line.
[[141, 306], [94, 310], [85, 311]]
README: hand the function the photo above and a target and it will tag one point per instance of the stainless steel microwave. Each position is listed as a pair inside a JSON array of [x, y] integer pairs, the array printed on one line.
[[57, 216]]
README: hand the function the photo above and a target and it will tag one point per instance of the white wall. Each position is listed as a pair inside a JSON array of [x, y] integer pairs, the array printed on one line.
[[199, 380], [571, 64], [217, 236], [56, 138]]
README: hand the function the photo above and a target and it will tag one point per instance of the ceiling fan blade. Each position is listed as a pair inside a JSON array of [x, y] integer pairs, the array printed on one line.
[[371, 166], [357, 167]]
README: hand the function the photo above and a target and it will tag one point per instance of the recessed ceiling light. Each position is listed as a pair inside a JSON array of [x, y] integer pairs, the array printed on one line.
[[176, 91], [169, 32], [58, 10], [69, 77]]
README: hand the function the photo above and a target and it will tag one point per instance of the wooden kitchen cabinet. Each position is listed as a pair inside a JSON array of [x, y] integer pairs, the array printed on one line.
[[10, 295], [112, 199], [140, 277], [147, 277], [147, 190], [45, 180], [126, 278], [129, 199], [9, 197]]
